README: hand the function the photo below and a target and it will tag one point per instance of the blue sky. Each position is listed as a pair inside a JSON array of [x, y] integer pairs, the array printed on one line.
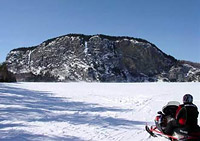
[[172, 25]]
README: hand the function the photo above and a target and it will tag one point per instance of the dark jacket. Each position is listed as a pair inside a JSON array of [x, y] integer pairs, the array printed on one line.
[[187, 114]]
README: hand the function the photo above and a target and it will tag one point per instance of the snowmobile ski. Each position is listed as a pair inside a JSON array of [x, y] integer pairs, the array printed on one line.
[[150, 131], [154, 132]]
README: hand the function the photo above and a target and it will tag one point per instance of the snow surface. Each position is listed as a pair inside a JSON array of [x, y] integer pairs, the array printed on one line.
[[85, 111]]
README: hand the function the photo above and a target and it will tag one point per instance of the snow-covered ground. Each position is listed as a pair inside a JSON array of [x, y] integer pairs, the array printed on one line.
[[85, 111]]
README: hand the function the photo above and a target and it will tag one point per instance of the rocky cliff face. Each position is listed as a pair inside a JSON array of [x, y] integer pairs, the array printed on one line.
[[99, 58], [184, 72]]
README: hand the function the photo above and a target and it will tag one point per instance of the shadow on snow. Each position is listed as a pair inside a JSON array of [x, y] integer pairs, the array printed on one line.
[[17, 135], [26, 105]]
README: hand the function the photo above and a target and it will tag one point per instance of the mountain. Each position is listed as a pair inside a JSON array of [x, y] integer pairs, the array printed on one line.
[[97, 58]]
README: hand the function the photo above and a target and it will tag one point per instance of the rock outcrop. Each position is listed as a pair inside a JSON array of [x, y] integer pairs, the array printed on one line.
[[98, 58]]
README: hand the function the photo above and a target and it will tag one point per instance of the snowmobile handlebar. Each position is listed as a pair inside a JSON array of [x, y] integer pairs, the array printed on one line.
[[160, 113]]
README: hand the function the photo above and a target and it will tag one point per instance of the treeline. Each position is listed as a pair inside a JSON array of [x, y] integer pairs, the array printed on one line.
[[195, 65], [5, 75]]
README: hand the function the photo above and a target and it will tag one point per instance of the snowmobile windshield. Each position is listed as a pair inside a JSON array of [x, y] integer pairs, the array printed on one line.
[[170, 108]]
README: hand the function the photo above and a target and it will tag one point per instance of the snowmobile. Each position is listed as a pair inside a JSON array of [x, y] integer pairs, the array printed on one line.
[[168, 113]]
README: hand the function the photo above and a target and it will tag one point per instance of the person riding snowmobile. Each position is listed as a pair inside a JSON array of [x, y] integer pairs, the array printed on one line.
[[187, 113], [186, 116], [177, 121]]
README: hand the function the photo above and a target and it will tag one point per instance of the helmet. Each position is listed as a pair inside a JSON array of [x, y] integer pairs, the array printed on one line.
[[187, 98]]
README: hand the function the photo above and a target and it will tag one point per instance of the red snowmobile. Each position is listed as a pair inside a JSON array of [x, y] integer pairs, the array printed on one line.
[[179, 133]]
